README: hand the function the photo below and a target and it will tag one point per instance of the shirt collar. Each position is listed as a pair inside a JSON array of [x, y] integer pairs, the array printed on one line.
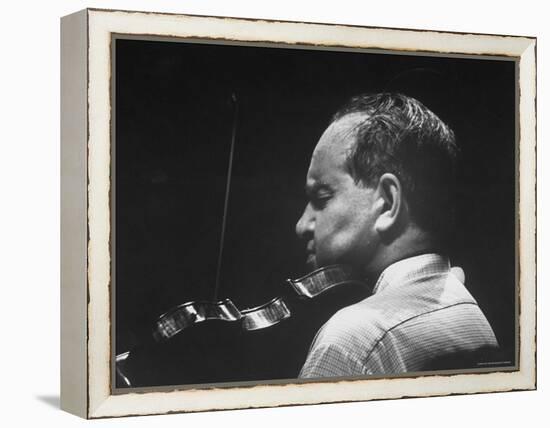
[[411, 269]]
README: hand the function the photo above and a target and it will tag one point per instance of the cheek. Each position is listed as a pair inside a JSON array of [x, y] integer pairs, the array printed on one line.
[[344, 231], [346, 238], [337, 231]]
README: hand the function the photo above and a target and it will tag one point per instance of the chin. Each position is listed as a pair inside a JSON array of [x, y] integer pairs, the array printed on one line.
[[311, 262]]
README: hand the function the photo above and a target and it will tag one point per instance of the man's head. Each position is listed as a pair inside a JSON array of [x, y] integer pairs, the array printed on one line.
[[380, 184]]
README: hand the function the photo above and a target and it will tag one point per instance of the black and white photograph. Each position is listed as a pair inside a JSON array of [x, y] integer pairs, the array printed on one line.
[[274, 214], [303, 214]]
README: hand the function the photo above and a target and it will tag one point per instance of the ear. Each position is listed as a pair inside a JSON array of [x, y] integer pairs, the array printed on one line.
[[391, 195]]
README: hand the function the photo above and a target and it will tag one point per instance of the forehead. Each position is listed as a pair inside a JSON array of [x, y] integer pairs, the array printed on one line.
[[330, 154]]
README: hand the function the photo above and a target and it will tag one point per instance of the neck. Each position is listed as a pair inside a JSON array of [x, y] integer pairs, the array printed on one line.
[[411, 244]]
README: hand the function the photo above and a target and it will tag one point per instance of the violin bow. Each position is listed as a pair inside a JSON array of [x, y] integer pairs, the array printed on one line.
[[235, 106]]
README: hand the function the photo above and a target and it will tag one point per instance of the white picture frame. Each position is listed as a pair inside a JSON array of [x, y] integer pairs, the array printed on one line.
[[86, 387]]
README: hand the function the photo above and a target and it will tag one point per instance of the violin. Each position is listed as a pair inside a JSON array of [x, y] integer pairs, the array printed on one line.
[[259, 317], [189, 315]]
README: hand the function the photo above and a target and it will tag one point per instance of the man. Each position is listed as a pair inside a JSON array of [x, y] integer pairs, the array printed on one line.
[[380, 188]]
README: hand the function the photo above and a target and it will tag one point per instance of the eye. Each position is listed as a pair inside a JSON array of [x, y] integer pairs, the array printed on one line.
[[320, 200]]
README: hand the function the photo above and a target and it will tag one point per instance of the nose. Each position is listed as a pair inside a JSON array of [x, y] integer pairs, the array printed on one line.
[[306, 223]]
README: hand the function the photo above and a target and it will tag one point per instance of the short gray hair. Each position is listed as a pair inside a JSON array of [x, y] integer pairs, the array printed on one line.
[[399, 135]]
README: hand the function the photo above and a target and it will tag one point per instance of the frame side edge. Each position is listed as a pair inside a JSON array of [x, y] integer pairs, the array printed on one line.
[[73, 180], [527, 213]]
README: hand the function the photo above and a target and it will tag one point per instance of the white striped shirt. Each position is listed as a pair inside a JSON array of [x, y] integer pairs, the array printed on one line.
[[419, 313]]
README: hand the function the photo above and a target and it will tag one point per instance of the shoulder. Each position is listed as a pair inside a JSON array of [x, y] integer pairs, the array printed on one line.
[[361, 322], [340, 345], [369, 319]]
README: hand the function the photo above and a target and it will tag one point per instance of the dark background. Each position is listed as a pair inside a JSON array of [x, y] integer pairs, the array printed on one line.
[[173, 128]]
